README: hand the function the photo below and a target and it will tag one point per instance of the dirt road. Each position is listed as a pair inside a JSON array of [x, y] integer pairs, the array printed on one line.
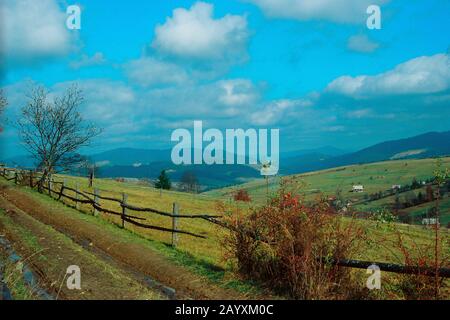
[[115, 263]]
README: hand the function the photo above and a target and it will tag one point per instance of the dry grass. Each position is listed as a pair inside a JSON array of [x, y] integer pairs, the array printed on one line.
[[142, 196]]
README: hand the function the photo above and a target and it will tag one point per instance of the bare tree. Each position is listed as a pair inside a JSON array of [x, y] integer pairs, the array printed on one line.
[[189, 182], [53, 130]]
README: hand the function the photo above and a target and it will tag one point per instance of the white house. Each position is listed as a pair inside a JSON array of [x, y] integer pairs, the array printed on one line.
[[396, 187], [358, 188], [429, 221]]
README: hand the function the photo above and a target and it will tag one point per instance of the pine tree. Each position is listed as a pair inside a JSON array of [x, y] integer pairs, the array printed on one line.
[[163, 181], [420, 197]]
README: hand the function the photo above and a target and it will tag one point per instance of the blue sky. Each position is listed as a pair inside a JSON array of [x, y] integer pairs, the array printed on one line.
[[311, 68]]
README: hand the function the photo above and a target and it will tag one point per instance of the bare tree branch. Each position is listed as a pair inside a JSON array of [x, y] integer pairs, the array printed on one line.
[[54, 131]]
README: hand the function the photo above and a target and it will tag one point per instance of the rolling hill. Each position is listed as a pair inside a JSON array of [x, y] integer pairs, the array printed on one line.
[[145, 163], [423, 146], [375, 177]]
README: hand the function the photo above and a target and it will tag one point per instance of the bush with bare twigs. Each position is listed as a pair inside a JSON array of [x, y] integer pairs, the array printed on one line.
[[290, 246], [422, 286]]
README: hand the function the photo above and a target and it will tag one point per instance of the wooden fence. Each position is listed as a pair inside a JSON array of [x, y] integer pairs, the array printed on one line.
[[57, 189], [30, 178]]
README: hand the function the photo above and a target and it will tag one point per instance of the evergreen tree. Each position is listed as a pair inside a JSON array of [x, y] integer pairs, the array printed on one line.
[[420, 198], [397, 204], [415, 184], [163, 181]]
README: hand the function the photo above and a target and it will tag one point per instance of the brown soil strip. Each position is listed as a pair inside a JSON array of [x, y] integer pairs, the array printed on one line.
[[139, 257], [98, 280]]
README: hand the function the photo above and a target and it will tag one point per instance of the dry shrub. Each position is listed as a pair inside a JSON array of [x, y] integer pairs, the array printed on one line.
[[423, 286], [242, 195], [290, 246]]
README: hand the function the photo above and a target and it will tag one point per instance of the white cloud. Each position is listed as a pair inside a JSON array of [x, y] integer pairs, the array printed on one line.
[[238, 92], [148, 71], [217, 100], [106, 101], [274, 111], [85, 61], [33, 31], [361, 43], [341, 11], [194, 33], [426, 74]]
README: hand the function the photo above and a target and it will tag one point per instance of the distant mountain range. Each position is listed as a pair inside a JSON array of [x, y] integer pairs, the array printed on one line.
[[426, 145], [130, 156], [142, 163]]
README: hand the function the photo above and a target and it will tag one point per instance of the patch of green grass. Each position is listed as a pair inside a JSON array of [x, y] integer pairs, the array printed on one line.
[[29, 239], [12, 274], [16, 284], [444, 209], [143, 196], [374, 177]]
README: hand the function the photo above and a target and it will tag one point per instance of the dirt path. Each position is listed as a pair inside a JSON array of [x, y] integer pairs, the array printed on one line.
[[114, 245], [48, 253]]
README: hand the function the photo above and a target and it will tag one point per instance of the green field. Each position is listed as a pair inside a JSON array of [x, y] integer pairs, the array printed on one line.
[[444, 207], [375, 177]]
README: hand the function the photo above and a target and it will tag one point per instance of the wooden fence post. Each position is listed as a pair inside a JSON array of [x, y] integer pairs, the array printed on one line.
[[124, 210], [175, 224], [96, 201], [31, 178], [15, 176], [62, 189], [77, 204], [50, 185]]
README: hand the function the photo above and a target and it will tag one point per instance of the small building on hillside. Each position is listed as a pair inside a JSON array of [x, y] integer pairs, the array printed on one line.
[[430, 221], [358, 188], [396, 187]]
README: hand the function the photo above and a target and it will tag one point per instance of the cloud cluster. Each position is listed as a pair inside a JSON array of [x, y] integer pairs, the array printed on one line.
[[426, 74], [194, 33], [276, 111], [342, 11], [32, 31], [191, 46]]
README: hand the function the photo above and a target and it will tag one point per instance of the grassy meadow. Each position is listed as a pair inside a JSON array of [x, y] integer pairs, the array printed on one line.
[[148, 197], [374, 177]]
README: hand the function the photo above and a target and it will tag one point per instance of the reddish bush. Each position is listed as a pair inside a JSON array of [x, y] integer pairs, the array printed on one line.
[[242, 195], [290, 245], [422, 286]]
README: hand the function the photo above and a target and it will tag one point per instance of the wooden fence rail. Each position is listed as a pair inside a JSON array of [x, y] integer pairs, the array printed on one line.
[[390, 267], [21, 175], [84, 198]]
